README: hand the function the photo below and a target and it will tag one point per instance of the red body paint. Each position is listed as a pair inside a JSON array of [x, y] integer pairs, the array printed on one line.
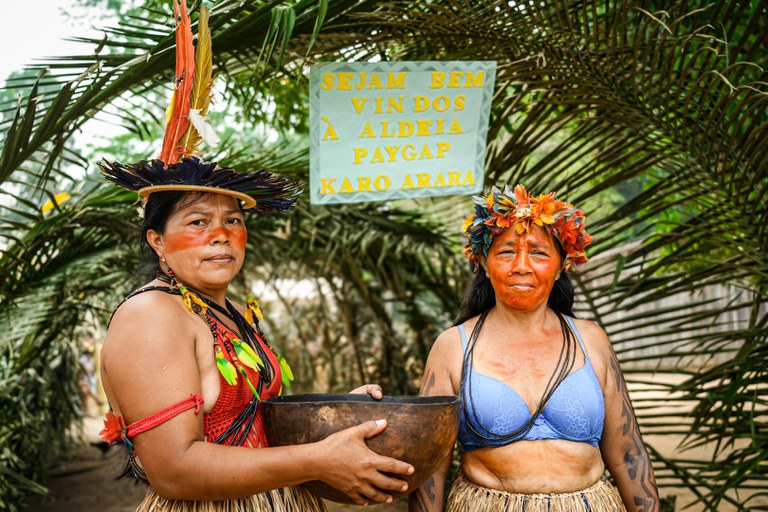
[[183, 240]]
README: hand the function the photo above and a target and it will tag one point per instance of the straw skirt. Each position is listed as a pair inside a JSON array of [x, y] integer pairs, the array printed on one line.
[[465, 496], [289, 499]]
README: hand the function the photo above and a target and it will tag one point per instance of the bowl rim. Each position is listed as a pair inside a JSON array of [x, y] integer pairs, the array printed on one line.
[[363, 398]]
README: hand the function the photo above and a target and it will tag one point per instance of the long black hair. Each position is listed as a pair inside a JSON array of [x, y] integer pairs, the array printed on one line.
[[479, 296]]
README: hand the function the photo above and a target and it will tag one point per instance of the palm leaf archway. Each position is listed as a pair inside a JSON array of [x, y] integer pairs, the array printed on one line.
[[650, 115]]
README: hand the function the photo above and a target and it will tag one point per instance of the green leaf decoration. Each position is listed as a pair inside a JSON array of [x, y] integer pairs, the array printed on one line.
[[250, 385], [286, 371], [227, 370], [247, 355]]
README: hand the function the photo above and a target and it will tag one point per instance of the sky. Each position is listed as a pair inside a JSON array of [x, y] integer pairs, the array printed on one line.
[[37, 28]]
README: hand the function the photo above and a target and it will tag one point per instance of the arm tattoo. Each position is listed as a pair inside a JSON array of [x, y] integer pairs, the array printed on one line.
[[423, 499], [427, 383], [636, 460]]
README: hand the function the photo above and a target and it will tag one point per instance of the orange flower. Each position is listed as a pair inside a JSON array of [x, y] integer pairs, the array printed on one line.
[[521, 196], [114, 429], [503, 222], [468, 222], [543, 209]]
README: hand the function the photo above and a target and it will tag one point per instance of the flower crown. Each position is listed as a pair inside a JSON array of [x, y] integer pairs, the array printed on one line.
[[498, 211]]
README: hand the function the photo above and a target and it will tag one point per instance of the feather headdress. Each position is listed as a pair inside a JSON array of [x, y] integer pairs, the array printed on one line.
[[520, 211], [179, 166]]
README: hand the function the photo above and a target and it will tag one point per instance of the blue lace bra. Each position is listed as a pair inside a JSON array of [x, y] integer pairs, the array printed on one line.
[[575, 412]]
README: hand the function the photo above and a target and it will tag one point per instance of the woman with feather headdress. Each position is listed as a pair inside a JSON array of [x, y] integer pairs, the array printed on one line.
[[184, 368]]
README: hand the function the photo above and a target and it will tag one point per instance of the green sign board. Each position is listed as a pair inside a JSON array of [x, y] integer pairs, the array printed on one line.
[[393, 130]]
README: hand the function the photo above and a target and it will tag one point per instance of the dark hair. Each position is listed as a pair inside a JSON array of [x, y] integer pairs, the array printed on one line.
[[157, 210], [479, 296]]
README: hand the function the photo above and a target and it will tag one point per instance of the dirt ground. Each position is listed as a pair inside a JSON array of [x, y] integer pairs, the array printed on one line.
[[86, 480]]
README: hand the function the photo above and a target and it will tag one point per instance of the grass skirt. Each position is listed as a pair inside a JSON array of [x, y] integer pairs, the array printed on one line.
[[465, 495], [289, 499]]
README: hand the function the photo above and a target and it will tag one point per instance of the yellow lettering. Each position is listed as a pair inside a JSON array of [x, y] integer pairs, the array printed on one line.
[[453, 179], [345, 81], [441, 103], [442, 147], [377, 157], [381, 182], [409, 155], [330, 133], [439, 127], [423, 127], [364, 184], [327, 83], [404, 128], [378, 106], [468, 179], [384, 128], [346, 187], [475, 80], [425, 153], [459, 101], [359, 154], [375, 82], [359, 103], [396, 82], [438, 78], [454, 79], [395, 104], [367, 132], [392, 152], [326, 184], [420, 103], [455, 128], [361, 84], [407, 183], [423, 180], [439, 182]]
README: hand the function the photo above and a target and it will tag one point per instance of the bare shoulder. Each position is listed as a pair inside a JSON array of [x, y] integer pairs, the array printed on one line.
[[148, 360], [447, 347], [148, 324], [597, 344], [596, 341]]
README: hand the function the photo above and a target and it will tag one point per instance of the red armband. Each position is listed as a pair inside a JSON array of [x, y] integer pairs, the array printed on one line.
[[114, 430]]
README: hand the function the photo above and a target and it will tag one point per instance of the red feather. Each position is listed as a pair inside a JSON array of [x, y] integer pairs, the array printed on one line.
[[114, 429], [178, 120]]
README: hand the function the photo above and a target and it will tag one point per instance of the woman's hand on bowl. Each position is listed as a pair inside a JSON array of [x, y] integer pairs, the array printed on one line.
[[356, 470], [372, 389]]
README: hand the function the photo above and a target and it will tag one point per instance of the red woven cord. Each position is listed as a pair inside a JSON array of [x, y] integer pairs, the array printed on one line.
[[164, 415]]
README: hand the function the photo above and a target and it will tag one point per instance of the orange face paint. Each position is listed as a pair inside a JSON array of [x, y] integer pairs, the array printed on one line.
[[523, 268], [183, 240]]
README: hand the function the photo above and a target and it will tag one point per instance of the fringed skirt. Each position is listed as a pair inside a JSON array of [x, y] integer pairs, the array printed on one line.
[[465, 495], [289, 499]]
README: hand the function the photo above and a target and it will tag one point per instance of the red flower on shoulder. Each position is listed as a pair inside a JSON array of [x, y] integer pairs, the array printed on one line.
[[114, 429]]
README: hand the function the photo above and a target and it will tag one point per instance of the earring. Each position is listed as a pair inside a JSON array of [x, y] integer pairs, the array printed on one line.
[[162, 258]]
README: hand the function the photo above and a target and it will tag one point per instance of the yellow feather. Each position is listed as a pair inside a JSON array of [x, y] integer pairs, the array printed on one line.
[[203, 84]]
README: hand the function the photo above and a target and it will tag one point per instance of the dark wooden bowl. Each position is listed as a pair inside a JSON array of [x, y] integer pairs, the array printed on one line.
[[420, 430]]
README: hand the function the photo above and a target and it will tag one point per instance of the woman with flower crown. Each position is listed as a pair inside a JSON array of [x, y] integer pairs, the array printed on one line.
[[184, 368], [545, 406]]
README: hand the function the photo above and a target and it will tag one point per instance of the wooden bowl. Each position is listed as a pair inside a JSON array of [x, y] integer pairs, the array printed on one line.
[[420, 430]]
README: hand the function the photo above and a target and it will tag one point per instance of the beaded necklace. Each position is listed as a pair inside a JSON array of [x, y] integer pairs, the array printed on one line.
[[243, 351]]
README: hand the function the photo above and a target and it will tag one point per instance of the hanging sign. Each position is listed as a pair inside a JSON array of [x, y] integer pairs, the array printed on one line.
[[392, 130]]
